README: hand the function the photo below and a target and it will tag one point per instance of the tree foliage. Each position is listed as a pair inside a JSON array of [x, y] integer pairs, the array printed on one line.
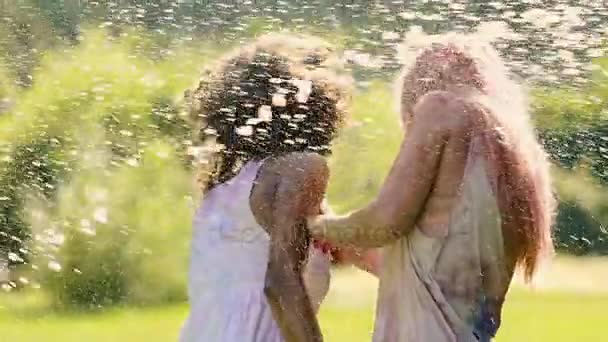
[[94, 186]]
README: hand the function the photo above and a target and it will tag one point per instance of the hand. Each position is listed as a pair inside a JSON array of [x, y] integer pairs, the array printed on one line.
[[323, 246]]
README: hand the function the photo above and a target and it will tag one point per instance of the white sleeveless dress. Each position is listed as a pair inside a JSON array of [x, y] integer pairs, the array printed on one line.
[[431, 287], [229, 257]]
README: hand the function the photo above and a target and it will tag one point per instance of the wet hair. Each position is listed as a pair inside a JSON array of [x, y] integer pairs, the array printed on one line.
[[436, 69], [275, 96], [519, 169]]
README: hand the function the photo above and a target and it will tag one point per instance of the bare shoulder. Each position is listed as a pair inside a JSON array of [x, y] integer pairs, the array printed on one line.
[[295, 181], [303, 179], [444, 110], [302, 165], [295, 166]]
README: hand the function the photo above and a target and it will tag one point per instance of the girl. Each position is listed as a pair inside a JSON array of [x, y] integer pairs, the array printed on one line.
[[467, 200], [271, 109]]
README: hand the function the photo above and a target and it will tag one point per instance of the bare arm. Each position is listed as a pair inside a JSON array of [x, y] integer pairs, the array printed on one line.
[[367, 260], [396, 209], [287, 192]]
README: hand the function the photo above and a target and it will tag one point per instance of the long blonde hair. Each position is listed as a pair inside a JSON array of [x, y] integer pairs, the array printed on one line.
[[521, 168]]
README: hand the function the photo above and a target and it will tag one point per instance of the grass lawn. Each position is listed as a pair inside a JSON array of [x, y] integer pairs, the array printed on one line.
[[551, 314]]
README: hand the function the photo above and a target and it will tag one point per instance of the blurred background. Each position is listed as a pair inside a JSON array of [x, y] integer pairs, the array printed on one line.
[[96, 191]]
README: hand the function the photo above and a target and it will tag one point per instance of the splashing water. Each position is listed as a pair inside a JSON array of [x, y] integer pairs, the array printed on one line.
[[86, 90], [54, 266]]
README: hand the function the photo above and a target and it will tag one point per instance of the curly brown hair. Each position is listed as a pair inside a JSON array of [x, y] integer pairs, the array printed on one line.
[[272, 97]]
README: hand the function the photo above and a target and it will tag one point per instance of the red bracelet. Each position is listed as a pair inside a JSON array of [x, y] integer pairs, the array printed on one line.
[[324, 246]]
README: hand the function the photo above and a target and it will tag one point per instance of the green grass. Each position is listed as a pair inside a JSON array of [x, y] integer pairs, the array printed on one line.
[[528, 317], [547, 315], [558, 316]]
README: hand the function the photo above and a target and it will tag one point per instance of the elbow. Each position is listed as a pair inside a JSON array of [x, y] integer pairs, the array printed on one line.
[[278, 283], [387, 218], [270, 290], [391, 222], [380, 229], [272, 284], [275, 295], [387, 224]]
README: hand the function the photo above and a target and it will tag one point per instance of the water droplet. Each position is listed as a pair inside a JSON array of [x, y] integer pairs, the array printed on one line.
[[278, 100], [244, 130], [54, 266], [14, 257], [304, 89], [86, 227], [101, 215], [210, 131], [253, 121], [56, 239], [132, 162], [407, 15], [265, 113], [164, 154], [390, 35]]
